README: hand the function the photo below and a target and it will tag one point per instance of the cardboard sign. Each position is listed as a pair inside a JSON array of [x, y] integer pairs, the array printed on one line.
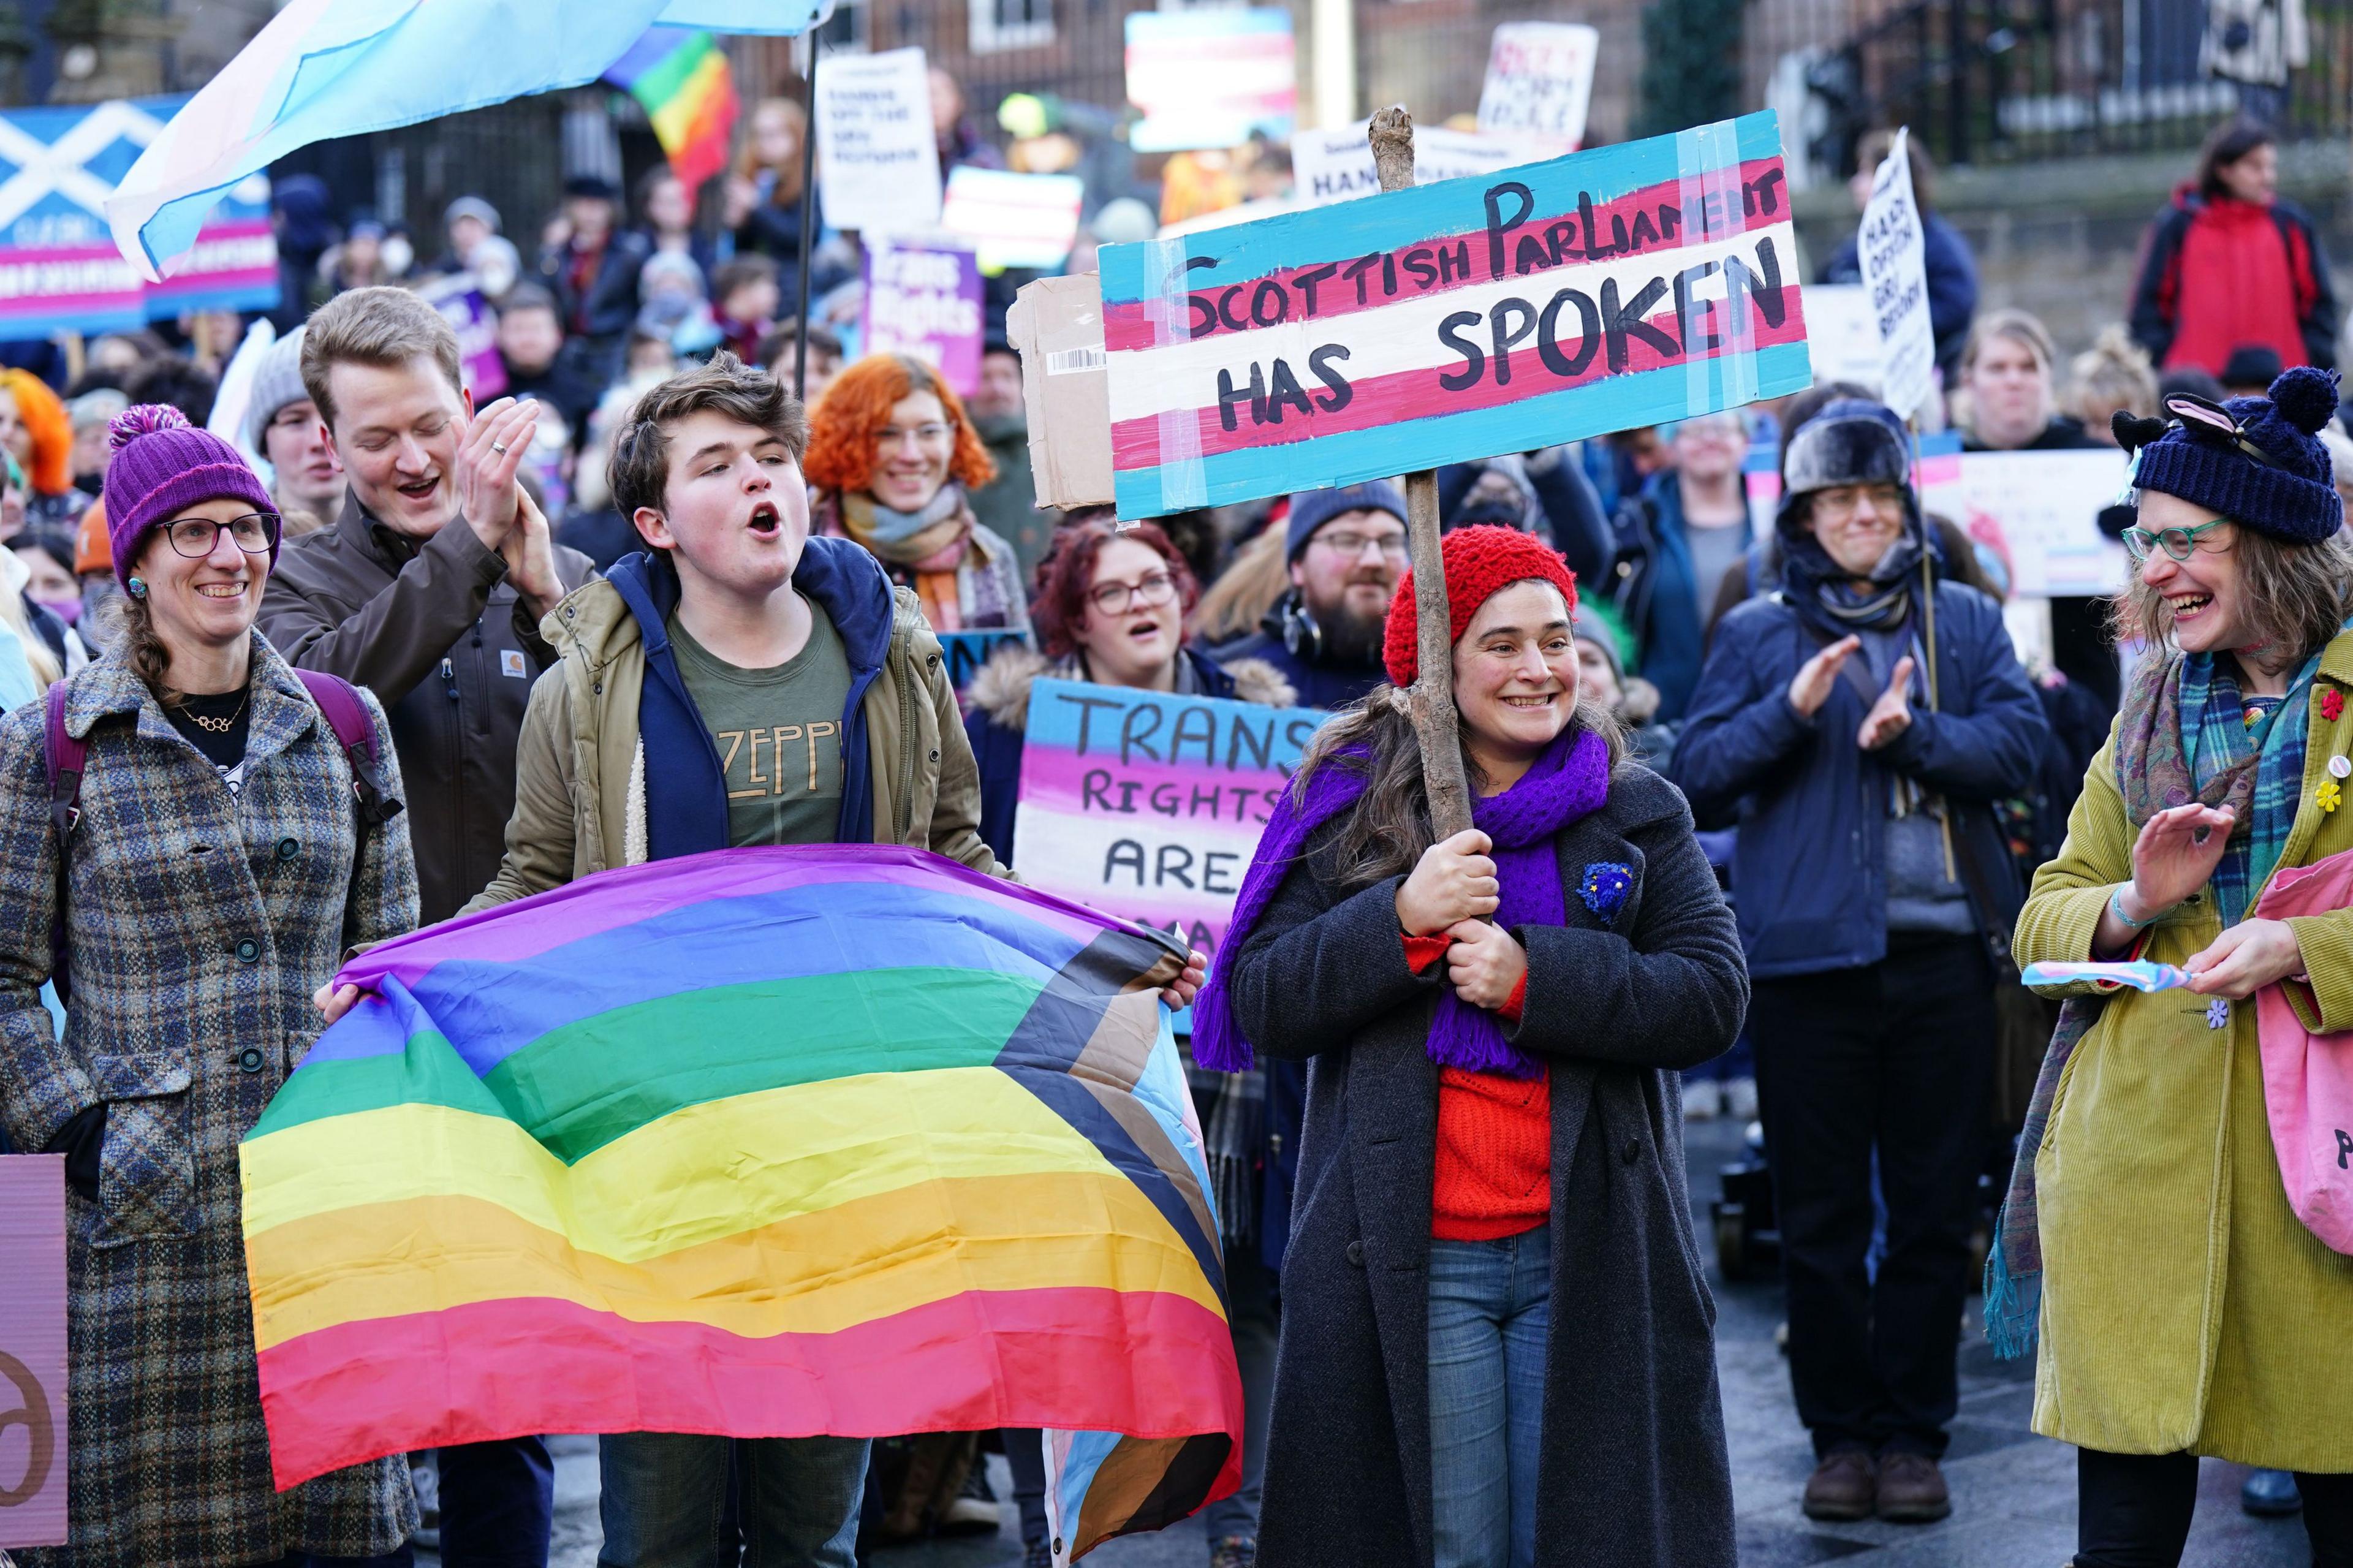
[[1595, 292], [1335, 165], [879, 162], [59, 270], [33, 1350], [2037, 510], [1149, 807], [1211, 78], [1014, 220], [1895, 275], [925, 301], [1055, 324], [966, 652], [1540, 81]]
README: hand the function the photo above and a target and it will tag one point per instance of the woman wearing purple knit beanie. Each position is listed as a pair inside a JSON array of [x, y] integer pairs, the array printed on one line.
[[2148, 1241], [178, 838]]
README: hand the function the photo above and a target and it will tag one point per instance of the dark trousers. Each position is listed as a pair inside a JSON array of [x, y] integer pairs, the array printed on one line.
[[2132, 1510], [498, 1504], [1897, 1058]]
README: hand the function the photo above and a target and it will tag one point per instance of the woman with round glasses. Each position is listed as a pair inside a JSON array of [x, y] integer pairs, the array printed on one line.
[[1111, 608], [893, 458], [2182, 1308], [209, 880]]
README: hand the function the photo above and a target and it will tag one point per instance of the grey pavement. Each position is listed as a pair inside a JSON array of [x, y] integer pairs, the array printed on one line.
[[2013, 1493]]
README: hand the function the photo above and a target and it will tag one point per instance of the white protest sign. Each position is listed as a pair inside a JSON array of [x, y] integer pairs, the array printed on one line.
[[1539, 82], [1333, 165], [880, 171], [1842, 333], [2039, 509], [1895, 275]]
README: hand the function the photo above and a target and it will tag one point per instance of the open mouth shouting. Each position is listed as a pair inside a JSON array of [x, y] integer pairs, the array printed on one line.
[[766, 521]]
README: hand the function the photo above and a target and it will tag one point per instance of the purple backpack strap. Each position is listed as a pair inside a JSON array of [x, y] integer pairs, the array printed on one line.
[[65, 758], [348, 717]]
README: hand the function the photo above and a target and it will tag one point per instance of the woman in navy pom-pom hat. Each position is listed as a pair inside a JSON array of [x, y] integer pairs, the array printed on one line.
[[2183, 1309]]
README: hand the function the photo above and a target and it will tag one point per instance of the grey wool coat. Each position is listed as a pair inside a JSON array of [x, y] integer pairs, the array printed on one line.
[[198, 924], [1634, 1473]]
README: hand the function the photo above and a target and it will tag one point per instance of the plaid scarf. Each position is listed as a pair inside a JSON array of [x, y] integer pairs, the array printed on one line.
[[2182, 736]]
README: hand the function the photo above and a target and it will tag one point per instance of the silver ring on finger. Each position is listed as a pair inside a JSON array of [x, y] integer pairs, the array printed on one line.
[[499, 447]]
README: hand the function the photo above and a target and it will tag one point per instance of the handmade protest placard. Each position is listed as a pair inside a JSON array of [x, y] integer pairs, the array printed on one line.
[[32, 1350], [458, 298], [1335, 165], [924, 301], [1148, 806], [1593, 292], [1895, 275], [2039, 511], [1842, 333], [880, 170], [1014, 220], [1212, 77], [59, 270], [1540, 81]]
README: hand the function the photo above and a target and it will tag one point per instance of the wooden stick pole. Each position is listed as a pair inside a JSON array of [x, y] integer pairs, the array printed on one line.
[[1431, 700]]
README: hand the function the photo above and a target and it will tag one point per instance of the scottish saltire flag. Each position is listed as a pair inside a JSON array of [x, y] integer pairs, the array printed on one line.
[[323, 68], [762, 1143]]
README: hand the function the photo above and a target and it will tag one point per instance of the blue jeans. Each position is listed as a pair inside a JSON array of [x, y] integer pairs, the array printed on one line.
[[1489, 1310], [498, 1504], [665, 1500]]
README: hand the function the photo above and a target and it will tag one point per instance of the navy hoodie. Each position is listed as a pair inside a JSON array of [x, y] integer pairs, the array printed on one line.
[[686, 787]]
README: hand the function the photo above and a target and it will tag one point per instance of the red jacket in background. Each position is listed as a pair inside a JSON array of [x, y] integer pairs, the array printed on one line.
[[2220, 274]]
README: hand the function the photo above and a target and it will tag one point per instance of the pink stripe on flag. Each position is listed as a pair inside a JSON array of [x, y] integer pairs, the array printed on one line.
[[1385, 400]]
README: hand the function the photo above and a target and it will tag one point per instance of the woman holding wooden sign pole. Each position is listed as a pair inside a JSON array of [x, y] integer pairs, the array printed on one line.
[[1491, 1240]]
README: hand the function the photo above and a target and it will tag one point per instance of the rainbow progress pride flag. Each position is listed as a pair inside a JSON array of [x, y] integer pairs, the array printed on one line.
[[680, 78], [762, 1143]]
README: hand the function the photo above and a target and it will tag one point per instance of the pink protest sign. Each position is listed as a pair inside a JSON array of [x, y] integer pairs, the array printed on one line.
[[1147, 805], [33, 1350]]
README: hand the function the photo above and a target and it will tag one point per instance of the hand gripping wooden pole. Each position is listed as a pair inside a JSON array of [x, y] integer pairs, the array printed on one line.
[[1431, 700]]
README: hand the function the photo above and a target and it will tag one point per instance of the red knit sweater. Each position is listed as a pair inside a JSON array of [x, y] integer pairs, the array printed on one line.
[[1493, 1172]]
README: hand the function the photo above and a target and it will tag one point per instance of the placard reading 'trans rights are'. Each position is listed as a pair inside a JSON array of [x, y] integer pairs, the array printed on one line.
[[1149, 807]]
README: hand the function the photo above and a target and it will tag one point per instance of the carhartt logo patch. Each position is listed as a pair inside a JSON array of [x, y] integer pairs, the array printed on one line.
[[510, 662]]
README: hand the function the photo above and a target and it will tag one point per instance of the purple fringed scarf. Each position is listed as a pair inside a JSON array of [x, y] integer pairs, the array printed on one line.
[[1569, 781]]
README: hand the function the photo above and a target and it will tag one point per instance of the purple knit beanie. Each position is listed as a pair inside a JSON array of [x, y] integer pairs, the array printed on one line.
[[162, 465]]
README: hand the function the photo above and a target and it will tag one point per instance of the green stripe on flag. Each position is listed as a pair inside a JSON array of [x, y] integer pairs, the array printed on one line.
[[664, 78]]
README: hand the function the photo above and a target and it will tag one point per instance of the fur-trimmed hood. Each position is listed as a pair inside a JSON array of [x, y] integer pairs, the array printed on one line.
[[1001, 689]]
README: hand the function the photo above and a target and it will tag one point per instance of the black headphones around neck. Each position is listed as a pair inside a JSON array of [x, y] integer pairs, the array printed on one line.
[[1302, 634]]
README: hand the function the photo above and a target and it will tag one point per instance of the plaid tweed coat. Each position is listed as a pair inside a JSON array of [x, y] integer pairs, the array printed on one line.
[[198, 924]]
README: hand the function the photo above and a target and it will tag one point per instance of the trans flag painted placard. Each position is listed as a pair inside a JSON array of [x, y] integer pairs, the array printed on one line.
[[839, 1140], [59, 270], [1594, 293], [1149, 807]]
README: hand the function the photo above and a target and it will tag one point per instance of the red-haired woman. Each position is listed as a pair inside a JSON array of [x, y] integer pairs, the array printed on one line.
[[893, 456], [1111, 610]]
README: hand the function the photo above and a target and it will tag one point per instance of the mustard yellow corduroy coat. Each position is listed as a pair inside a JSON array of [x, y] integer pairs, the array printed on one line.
[[2184, 1305]]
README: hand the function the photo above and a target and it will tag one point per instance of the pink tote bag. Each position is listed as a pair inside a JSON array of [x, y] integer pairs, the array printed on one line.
[[2308, 1077]]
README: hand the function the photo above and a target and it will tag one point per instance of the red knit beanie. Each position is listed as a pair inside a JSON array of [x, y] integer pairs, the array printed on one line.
[[1481, 561]]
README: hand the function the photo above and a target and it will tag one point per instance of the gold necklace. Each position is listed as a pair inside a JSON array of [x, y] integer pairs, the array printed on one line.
[[219, 726]]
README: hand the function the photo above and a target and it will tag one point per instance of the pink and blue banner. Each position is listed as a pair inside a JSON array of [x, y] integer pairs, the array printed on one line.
[[59, 270], [1148, 806], [1599, 291]]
